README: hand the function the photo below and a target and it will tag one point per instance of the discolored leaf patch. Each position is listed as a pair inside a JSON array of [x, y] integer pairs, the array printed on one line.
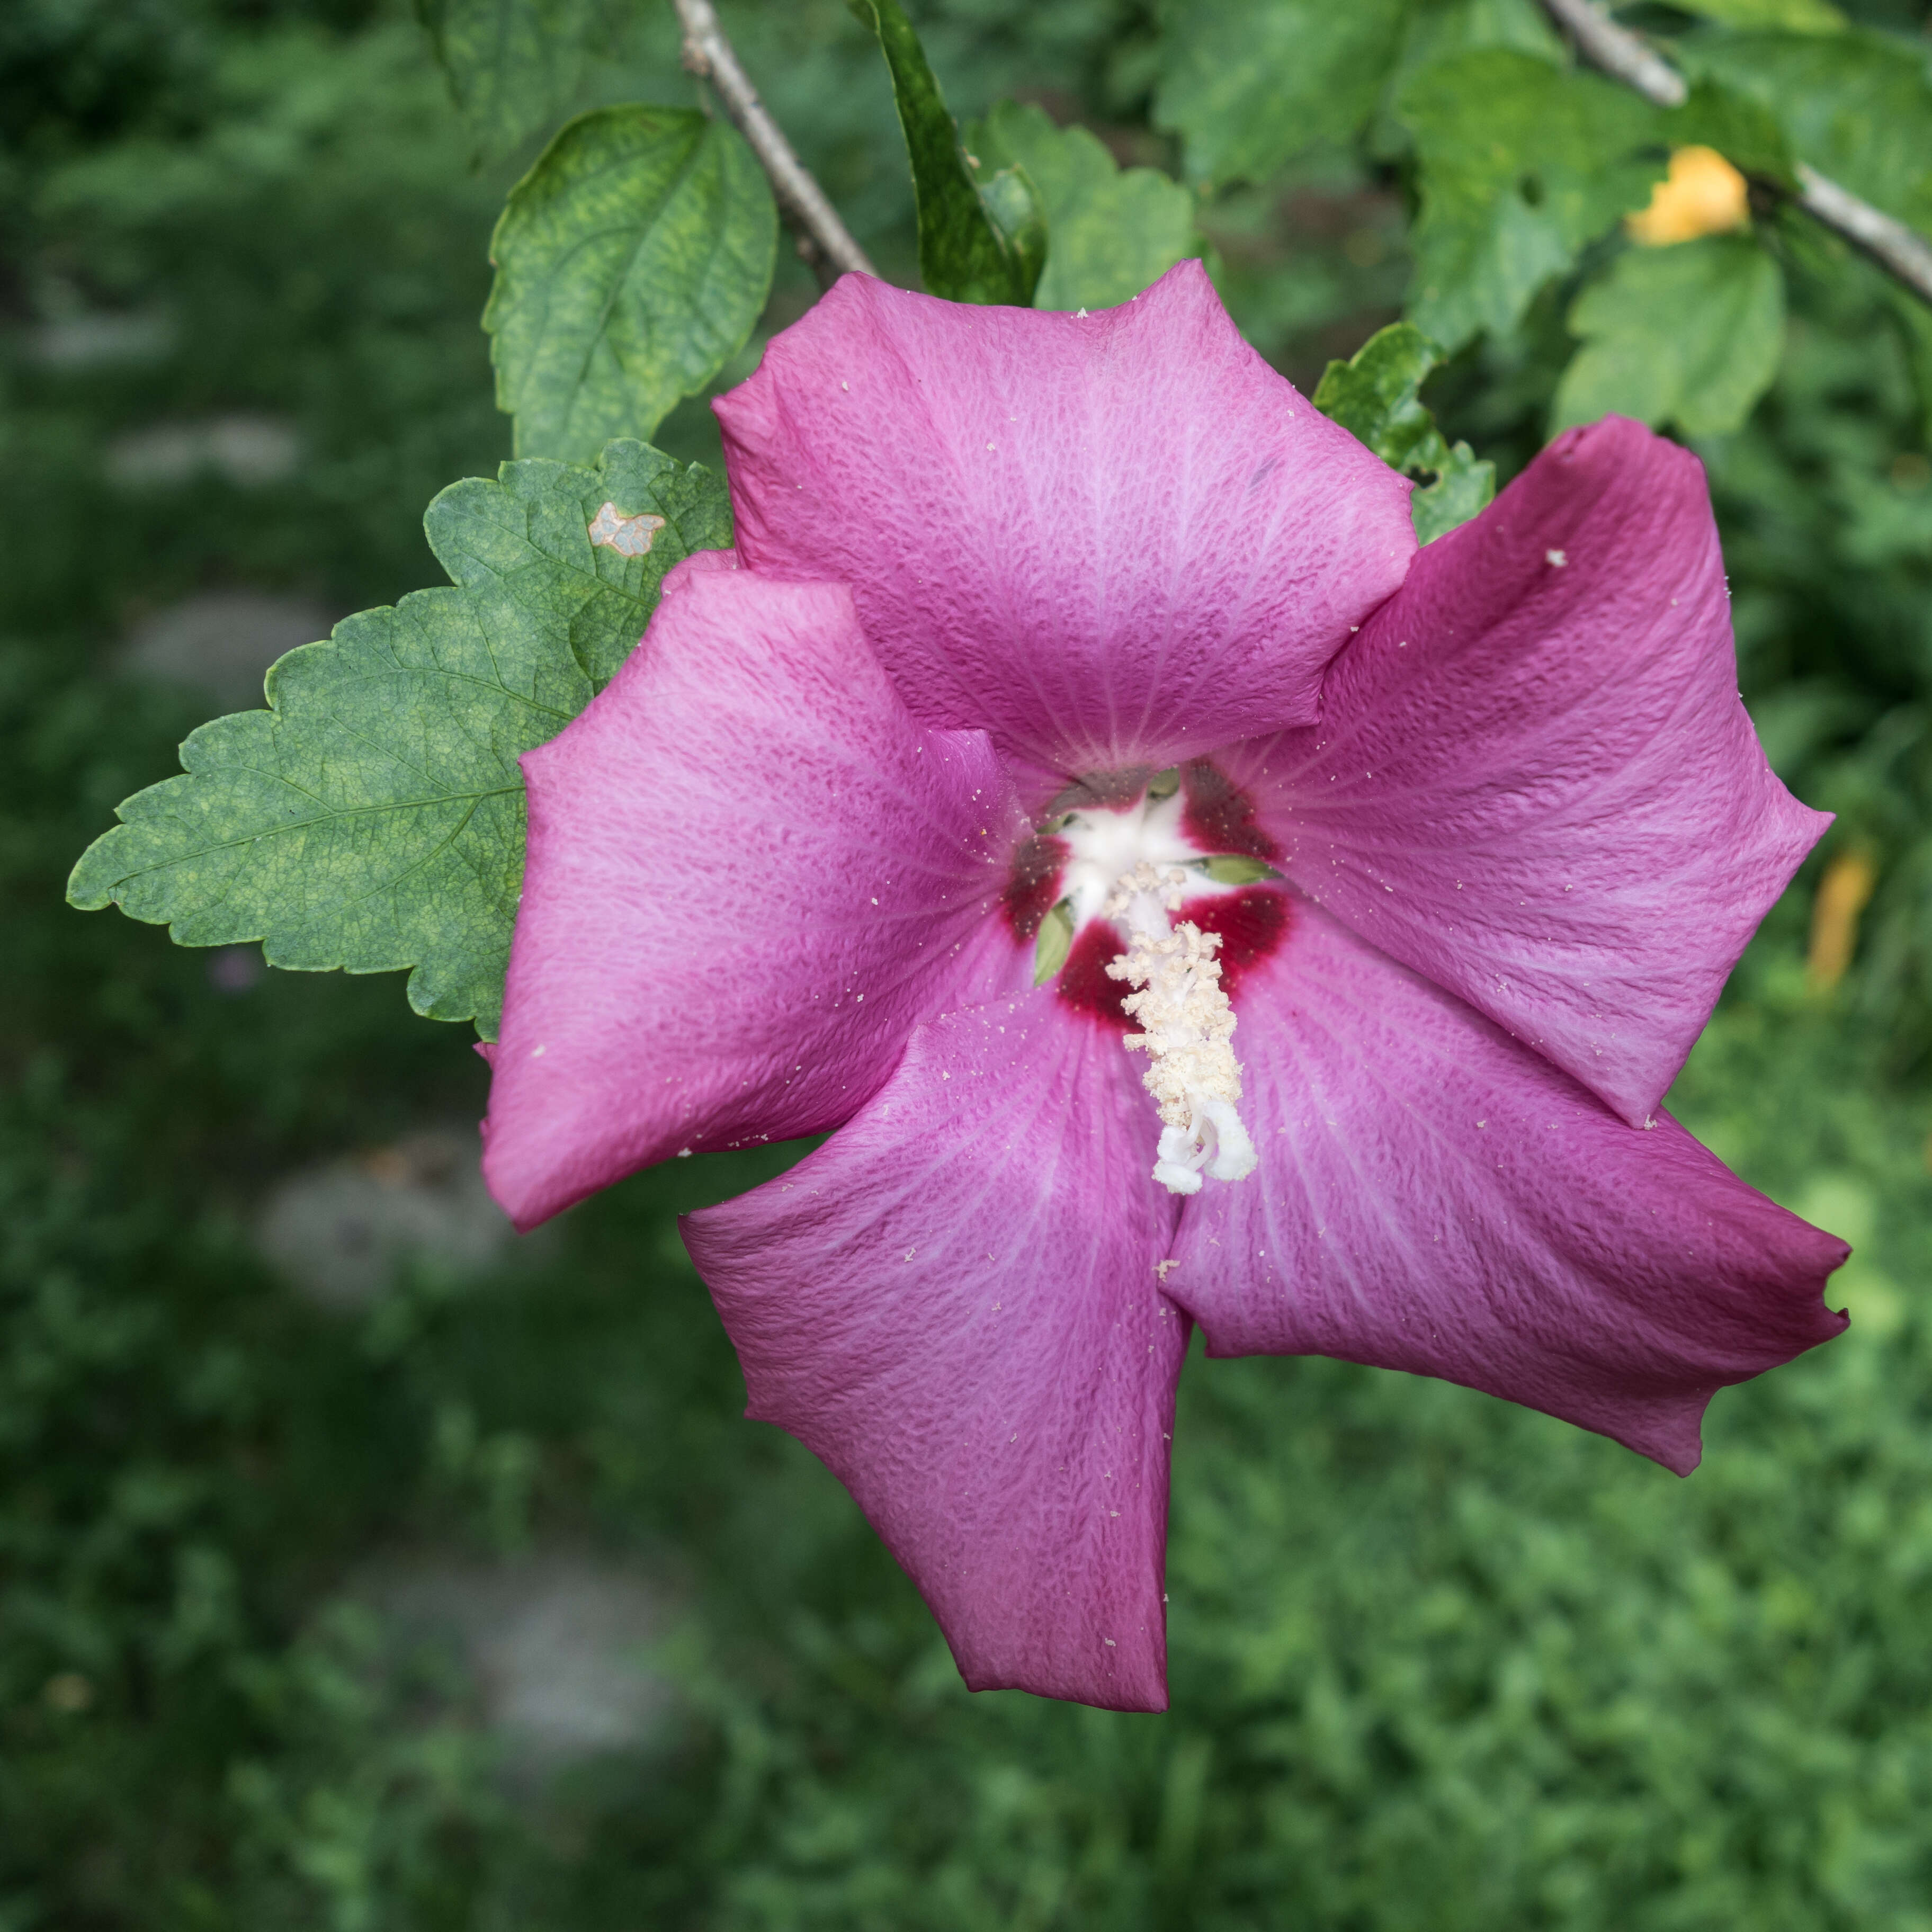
[[629, 536]]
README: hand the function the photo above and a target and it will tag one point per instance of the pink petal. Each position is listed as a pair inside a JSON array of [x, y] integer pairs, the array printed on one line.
[[749, 873], [953, 1305], [1432, 1197], [1108, 539], [1533, 780]]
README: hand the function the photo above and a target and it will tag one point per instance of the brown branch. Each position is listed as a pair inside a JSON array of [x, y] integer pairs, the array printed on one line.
[[1904, 255], [824, 240]]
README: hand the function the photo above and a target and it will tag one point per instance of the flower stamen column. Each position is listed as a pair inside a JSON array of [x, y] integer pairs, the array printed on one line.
[[1187, 1031]]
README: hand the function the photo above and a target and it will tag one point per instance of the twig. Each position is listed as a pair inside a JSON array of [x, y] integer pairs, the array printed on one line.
[[1618, 52], [1892, 245], [1903, 254], [824, 240]]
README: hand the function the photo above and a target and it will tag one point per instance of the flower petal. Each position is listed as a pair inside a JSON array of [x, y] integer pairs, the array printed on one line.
[[1433, 1197], [953, 1304], [1108, 539], [1533, 779], [749, 873]]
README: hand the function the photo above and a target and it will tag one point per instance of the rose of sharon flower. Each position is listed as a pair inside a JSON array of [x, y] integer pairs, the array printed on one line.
[[1374, 897]]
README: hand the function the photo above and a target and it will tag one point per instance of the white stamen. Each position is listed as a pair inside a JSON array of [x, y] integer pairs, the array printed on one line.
[[1188, 1025]]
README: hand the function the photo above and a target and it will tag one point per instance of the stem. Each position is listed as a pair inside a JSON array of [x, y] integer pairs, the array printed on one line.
[[824, 240], [1905, 256], [1618, 52]]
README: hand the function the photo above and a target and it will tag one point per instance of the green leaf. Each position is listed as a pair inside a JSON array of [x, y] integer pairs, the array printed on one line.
[[1857, 105], [1797, 16], [512, 65], [1248, 84], [1690, 334], [1464, 485], [1376, 396], [372, 818], [1440, 29], [1113, 230], [965, 252], [631, 263], [1520, 164]]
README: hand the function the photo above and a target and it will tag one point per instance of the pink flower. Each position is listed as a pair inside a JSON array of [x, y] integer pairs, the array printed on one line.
[[1035, 611]]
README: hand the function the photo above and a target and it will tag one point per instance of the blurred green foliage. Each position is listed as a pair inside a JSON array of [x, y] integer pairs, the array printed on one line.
[[1693, 334], [1521, 164], [1437, 1663]]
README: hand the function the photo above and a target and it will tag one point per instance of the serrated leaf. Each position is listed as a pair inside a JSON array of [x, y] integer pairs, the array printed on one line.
[[631, 263], [527, 542], [1520, 164], [1376, 396], [1250, 84], [1464, 485], [1858, 106], [372, 818], [1113, 230], [1796, 16], [1690, 334], [964, 254], [512, 65]]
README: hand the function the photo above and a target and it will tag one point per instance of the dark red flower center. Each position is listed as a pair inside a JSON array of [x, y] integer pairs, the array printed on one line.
[[1195, 826]]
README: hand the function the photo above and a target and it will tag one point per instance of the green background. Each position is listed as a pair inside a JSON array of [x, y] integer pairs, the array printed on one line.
[[1437, 1663]]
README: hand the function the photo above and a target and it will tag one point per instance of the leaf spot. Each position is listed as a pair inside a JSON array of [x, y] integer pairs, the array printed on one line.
[[629, 536]]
